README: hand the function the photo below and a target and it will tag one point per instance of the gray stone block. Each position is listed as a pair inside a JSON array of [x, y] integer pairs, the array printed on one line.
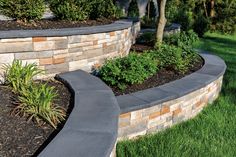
[[72, 143], [213, 70], [201, 78], [129, 103], [80, 80], [94, 111], [181, 87], [154, 96]]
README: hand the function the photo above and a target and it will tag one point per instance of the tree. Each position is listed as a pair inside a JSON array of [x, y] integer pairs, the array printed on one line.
[[161, 22]]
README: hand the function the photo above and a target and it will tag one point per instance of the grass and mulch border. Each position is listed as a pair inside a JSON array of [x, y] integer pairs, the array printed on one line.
[[212, 132]]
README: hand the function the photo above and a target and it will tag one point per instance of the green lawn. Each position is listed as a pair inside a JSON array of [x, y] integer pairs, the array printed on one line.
[[212, 133]]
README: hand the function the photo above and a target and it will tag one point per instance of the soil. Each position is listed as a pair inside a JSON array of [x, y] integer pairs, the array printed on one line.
[[19, 138], [141, 47], [161, 77], [51, 24]]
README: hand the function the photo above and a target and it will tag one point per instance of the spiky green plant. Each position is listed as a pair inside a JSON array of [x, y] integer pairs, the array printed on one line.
[[18, 75], [36, 102]]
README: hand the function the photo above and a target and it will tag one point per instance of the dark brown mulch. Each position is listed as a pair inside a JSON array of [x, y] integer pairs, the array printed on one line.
[[141, 47], [51, 24], [19, 138], [161, 77]]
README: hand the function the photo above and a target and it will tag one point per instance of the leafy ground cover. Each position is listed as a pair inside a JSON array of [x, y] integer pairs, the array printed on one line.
[[211, 133]]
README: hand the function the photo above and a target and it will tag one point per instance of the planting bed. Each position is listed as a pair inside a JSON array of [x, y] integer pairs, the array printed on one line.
[[161, 77], [51, 24], [19, 137]]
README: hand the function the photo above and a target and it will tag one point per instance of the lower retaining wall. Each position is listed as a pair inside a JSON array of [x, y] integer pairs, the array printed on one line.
[[164, 115], [69, 49], [99, 119]]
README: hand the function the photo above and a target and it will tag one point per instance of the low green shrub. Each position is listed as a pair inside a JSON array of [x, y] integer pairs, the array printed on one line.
[[185, 19], [148, 38], [18, 75], [103, 9], [23, 10], [36, 102], [131, 69], [133, 10], [183, 39], [70, 9], [201, 25], [170, 57]]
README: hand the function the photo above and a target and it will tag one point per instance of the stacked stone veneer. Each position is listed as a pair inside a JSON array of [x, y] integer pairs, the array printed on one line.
[[162, 116], [67, 53]]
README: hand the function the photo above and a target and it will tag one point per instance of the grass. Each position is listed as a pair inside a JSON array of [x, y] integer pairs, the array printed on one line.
[[212, 133]]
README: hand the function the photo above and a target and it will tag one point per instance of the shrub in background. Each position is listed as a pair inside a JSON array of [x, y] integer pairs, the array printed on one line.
[[131, 69], [133, 10], [72, 10], [185, 19], [23, 10], [170, 57], [201, 25], [102, 8], [18, 75]]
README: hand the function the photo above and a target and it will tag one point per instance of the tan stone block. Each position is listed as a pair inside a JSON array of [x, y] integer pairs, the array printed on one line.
[[56, 52], [16, 40], [125, 115], [112, 34], [45, 61], [154, 115], [81, 44], [58, 60], [16, 47], [177, 112], [165, 109], [26, 55], [56, 38], [6, 58], [136, 115], [75, 65], [39, 39]]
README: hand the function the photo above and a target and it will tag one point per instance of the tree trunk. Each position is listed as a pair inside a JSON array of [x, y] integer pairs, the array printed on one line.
[[205, 8], [212, 12], [161, 22], [148, 9]]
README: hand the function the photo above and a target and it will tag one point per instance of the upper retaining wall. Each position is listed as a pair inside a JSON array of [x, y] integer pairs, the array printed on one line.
[[68, 49]]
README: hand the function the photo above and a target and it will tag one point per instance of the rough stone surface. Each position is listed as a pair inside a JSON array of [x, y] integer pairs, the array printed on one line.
[[64, 50]]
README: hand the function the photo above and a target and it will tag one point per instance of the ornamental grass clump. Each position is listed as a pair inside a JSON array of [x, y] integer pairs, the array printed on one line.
[[18, 75], [35, 100]]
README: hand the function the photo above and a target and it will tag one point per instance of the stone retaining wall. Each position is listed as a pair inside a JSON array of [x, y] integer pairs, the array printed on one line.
[[164, 115], [82, 48]]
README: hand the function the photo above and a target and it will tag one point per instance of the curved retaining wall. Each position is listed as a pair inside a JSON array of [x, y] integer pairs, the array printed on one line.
[[161, 107], [98, 116], [68, 49]]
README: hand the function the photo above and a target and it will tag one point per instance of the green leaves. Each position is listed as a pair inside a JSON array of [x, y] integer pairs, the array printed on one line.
[[36, 100], [18, 75], [78, 10], [132, 69], [24, 10]]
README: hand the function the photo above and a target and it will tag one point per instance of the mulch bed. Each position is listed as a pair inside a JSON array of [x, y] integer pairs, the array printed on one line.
[[51, 24], [19, 138], [161, 77]]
